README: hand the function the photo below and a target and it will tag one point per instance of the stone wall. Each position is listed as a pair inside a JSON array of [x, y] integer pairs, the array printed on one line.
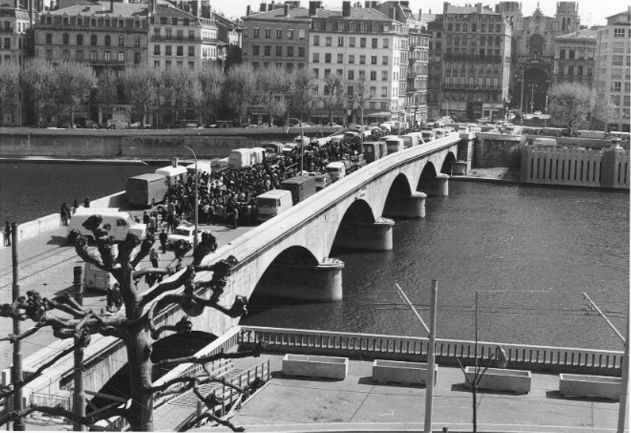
[[497, 150]]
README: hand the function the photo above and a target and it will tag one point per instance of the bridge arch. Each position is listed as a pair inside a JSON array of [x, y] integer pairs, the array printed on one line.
[[448, 163]]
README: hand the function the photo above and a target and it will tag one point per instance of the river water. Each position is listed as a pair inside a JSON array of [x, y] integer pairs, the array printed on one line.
[[528, 252]]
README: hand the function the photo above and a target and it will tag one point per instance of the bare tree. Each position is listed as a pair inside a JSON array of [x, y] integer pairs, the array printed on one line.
[[300, 97], [333, 94], [211, 79], [141, 88], [362, 93], [9, 85], [73, 83], [239, 91], [38, 84], [134, 324], [572, 104], [184, 90]]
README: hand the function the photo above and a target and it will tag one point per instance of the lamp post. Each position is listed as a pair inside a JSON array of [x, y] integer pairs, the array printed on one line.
[[361, 108], [532, 88], [302, 143], [195, 192]]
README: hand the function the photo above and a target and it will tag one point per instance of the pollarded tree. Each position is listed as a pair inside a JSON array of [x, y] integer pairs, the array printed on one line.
[[73, 83], [211, 79], [37, 81], [239, 91], [362, 94], [184, 90], [272, 85], [572, 104], [333, 94], [300, 96], [9, 85], [134, 324], [141, 90]]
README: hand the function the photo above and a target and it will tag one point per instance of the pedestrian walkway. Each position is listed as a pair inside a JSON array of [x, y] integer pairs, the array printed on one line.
[[359, 404]]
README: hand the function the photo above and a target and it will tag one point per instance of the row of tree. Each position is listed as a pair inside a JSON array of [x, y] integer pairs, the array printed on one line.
[[41, 89]]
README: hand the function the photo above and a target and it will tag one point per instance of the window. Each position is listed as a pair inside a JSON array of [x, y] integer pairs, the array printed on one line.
[[267, 50], [616, 86], [384, 75], [373, 60], [137, 57], [191, 35], [278, 51], [580, 70], [167, 50], [340, 58], [373, 75], [327, 73], [362, 75], [351, 58], [79, 39], [351, 75], [268, 33], [255, 50], [384, 60], [351, 41], [279, 33], [93, 56], [108, 56], [93, 40], [156, 64], [79, 56], [121, 41], [316, 57], [618, 33], [66, 54], [374, 43], [362, 42], [156, 50], [65, 39], [362, 60], [570, 70], [316, 73], [108, 40], [256, 32], [49, 38], [191, 51], [301, 51], [327, 57], [316, 40], [290, 34], [386, 43], [137, 41], [349, 91], [328, 41], [290, 51], [617, 60], [167, 64], [121, 56], [571, 54], [340, 41], [301, 34], [384, 92]]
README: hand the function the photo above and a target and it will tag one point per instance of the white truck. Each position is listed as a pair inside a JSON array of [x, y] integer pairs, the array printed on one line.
[[114, 221]]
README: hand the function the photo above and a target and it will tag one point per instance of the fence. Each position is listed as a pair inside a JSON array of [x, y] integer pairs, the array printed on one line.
[[447, 351], [561, 166]]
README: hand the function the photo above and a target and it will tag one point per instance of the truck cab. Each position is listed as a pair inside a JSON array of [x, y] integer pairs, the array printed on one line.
[[115, 222], [337, 170], [271, 203]]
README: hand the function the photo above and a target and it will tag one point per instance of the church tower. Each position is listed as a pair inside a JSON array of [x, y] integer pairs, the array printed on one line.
[[567, 19]]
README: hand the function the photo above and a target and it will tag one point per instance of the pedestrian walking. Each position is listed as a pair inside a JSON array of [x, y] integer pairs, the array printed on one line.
[[7, 234], [235, 217], [500, 357], [75, 206], [163, 241], [64, 213], [153, 257]]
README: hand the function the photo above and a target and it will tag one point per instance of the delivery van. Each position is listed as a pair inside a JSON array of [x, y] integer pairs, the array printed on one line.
[[428, 135], [300, 187], [337, 170], [246, 157], [271, 203], [172, 174], [439, 133], [116, 222], [95, 278], [394, 143], [146, 189]]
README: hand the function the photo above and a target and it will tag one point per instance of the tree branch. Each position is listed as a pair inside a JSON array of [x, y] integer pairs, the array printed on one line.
[[13, 338], [167, 286], [145, 247]]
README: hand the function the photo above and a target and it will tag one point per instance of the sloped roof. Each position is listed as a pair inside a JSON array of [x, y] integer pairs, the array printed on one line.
[[278, 14], [581, 34], [466, 10], [102, 8], [303, 13]]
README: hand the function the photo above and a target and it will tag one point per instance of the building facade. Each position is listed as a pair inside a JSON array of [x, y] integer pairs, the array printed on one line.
[[106, 35], [574, 57], [475, 73], [15, 34], [613, 69]]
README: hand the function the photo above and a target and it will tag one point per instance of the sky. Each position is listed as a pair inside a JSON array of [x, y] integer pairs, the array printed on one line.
[[592, 12]]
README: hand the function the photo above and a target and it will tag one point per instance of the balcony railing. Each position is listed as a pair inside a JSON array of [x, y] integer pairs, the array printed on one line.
[[161, 38]]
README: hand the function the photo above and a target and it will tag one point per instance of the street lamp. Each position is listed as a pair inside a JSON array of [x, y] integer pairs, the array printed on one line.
[[532, 88], [302, 143], [195, 192], [361, 108]]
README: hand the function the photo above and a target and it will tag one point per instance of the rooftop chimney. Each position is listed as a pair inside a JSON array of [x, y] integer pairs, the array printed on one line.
[[420, 14], [312, 8], [367, 4], [248, 11], [478, 7], [286, 10], [346, 8], [263, 7]]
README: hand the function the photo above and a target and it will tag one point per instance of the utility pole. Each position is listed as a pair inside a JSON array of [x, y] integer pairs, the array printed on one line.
[[431, 361], [78, 403], [78, 284], [18, 425]]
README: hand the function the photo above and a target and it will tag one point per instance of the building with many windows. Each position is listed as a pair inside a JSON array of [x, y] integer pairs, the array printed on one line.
[[15, 22], [180, 39], [106, 35], [613, 69], [475, 72], [278, 37], [574, 57]]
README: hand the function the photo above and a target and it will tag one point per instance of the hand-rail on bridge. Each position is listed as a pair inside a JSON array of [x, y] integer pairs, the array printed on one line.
[[390, 346]]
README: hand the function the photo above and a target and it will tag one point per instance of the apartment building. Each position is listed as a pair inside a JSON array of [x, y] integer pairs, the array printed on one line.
[[278, 36], [177, 38], [366, 50], [106, 35], [15, 23], [574, 57], [613, 68], [476, 47]]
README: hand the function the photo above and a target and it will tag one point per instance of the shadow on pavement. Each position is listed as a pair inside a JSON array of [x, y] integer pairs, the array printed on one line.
[[58, 240]]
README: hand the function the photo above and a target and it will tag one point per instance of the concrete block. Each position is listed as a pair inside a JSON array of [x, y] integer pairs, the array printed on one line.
[[499, 379], [584, 385], [327, 367], [402, 372]]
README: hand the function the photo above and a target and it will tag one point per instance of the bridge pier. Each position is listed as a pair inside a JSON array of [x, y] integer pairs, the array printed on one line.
[[438, 186], [322, 282], [408, 207], [465, 153], [375, 236]]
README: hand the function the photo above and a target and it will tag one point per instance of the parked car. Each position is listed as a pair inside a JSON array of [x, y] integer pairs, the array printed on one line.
[[184, 231]]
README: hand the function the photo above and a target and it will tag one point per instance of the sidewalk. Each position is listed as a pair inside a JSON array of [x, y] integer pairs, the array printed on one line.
[[359, 404]]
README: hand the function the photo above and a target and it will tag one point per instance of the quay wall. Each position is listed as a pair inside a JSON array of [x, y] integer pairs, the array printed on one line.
[[85, 143], [497, 150]]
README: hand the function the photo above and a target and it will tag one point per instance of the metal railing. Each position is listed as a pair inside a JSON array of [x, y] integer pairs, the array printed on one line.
[[376, 345]]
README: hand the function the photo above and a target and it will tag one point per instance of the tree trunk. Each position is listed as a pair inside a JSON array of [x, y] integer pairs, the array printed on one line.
[[138, 346]]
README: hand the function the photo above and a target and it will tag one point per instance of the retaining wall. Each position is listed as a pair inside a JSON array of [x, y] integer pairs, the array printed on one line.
[[497, 150]]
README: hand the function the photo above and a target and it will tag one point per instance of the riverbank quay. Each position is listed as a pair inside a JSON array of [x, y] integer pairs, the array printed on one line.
[[141, 143], [506, 175]]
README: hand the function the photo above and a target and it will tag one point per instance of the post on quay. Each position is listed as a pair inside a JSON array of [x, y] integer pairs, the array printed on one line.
[[18, 403], [77, 282]]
